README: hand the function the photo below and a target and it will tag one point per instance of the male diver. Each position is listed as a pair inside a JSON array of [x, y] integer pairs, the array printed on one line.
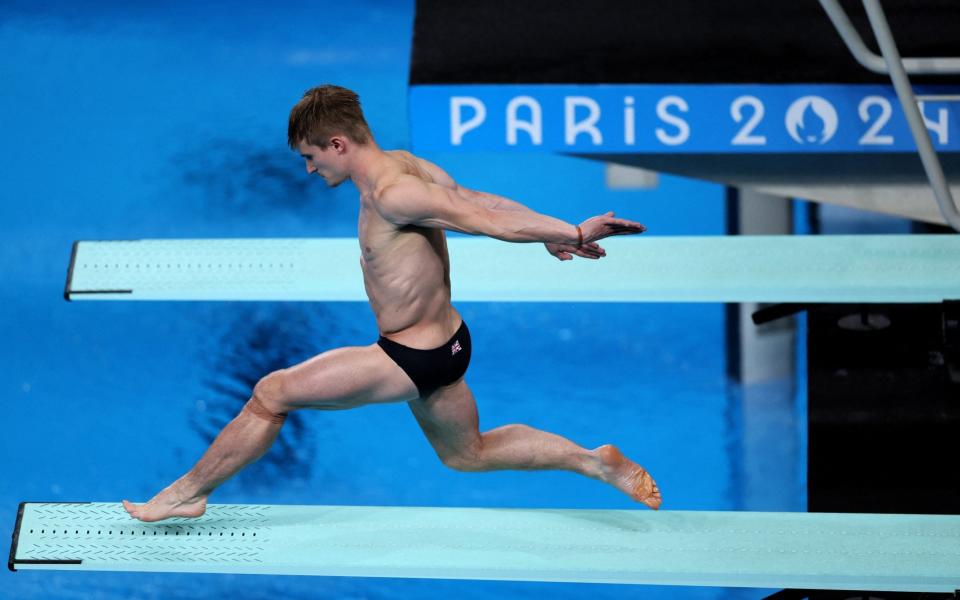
[[423, 352]]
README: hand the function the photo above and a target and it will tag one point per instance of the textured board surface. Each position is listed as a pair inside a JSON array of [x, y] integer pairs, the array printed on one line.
[[865, 268], [730, 549]]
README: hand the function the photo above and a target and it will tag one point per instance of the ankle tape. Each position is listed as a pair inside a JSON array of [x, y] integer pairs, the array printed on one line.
[[259, 410]]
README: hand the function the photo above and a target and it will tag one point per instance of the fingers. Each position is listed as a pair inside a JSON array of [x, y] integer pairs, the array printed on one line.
[[626, 223], [589, 250], [592, 250], [609, 225], [581, 253], [624, 227], [596, 247]]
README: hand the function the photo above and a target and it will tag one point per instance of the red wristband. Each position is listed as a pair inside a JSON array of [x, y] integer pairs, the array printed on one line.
[[580, 234]]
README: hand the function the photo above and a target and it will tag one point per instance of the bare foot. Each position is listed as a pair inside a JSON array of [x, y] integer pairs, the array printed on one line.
[[168, 503], [627, 476]]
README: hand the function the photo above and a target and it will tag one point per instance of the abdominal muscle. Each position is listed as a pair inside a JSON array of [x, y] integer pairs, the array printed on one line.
[[406, 273]]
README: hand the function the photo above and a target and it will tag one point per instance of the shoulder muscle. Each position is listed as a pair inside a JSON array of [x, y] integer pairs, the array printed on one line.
[[439, 176], [411, 201]]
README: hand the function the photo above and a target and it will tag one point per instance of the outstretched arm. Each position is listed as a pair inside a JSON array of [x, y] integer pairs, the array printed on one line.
[[561, 251], [593, 229], [412, 201]]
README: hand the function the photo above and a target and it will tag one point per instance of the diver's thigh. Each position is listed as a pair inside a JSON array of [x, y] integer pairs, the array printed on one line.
[[449, 419], [345, 378]]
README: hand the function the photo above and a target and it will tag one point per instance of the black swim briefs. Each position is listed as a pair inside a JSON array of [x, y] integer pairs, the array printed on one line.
[[431, 369]]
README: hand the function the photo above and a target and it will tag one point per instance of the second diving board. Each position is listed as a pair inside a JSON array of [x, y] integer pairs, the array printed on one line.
[[836, 269]]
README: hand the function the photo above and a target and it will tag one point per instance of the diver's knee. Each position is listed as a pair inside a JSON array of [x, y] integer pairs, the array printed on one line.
[[268, 400], [463, 461]]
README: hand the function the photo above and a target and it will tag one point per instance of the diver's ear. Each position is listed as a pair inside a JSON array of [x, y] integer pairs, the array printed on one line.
[[338, 144]]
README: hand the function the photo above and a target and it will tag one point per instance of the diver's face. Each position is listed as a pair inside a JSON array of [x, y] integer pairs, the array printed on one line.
[[326, 163]]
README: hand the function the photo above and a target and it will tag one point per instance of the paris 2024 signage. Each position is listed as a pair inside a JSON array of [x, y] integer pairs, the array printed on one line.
[[645, 118]]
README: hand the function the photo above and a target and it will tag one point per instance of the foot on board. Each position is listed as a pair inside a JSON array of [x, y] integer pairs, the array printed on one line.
[[168, 503]]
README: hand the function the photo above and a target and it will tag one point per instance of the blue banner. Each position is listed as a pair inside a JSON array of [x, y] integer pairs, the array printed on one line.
[[794, 118]]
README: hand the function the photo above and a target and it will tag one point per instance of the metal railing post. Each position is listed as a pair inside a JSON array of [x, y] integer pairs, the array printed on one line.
[[931, 163]]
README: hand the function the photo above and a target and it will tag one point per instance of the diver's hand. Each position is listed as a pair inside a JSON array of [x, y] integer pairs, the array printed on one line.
[[602, 226], [566, 251]]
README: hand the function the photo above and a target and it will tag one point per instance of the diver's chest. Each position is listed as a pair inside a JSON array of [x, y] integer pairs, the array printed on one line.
[[378, 239]]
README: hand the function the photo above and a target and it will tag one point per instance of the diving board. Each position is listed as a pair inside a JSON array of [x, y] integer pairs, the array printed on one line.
[[837, 269], [730, 549]]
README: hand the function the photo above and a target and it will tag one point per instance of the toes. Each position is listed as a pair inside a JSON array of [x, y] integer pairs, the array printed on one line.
[[132, 509], [647, 491]]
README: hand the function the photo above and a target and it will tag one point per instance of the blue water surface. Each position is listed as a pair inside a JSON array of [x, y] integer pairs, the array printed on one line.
[[130, 120]]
